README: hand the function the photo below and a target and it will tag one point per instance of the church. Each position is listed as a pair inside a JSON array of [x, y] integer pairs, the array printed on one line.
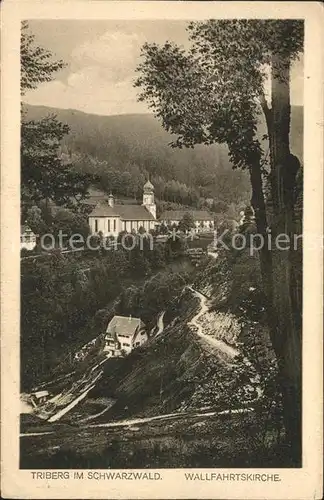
[[110, 218]]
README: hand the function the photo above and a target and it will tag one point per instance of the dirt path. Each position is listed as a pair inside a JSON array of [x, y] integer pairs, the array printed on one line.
[[157, 418], [160, 323], [89, 379], [219, 344]]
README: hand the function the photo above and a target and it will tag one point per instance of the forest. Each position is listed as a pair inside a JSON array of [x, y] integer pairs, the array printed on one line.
[[67, 300]]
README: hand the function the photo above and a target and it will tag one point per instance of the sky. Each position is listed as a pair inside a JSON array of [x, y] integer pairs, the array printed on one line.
[[101, 57]]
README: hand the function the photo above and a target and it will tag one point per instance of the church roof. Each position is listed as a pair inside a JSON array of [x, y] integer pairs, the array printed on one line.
[[178, 215], [102, 209], [125, 212]]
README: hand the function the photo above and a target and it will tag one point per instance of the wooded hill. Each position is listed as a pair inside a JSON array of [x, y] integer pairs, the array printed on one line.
[[123, 150]]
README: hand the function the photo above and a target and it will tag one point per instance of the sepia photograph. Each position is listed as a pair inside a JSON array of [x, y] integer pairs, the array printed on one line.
[[161, 185], [163, 235]]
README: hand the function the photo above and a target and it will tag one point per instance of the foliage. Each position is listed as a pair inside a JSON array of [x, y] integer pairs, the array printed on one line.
[[35, 220], [59, 295], [37, 65], [163, 229], [187, 222], [122, 151], [154, 295], [212, 92], [70, 223], [43, 174]]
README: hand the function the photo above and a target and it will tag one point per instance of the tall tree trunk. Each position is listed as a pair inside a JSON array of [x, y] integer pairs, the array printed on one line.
[[258, 204], [286, 318]]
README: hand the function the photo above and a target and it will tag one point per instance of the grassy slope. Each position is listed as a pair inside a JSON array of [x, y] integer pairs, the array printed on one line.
[[159, 378]]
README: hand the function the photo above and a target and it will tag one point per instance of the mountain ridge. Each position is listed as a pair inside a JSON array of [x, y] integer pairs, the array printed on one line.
[[137, 143]]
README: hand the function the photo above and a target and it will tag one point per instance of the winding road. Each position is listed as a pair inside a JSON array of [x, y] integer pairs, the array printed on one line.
[[219, 344], [92, 378], [160, 323]]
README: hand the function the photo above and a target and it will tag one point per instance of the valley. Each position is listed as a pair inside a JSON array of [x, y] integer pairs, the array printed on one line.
[[158, 400]]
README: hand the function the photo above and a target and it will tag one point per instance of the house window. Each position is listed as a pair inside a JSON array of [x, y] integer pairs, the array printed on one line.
[[126, 344], [96, 225], [108, 225]]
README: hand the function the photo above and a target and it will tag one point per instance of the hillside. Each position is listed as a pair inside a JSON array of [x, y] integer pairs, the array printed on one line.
[[195, 395], [141, 138], [123, 150], [131, 138]]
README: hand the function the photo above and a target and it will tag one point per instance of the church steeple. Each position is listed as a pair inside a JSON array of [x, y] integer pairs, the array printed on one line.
[[111, 200], [148, 198]]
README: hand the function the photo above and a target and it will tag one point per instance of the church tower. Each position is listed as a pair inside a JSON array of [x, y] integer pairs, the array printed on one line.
[[148, 198]]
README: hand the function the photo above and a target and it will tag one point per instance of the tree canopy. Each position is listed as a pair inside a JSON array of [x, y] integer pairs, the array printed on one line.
[[37, 64], [215, 91], [187, 222]]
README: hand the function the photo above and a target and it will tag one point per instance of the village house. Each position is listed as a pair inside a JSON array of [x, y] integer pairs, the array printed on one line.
[[124, 334], [110, 218], [203, 220], [39, 397], [27, 238]]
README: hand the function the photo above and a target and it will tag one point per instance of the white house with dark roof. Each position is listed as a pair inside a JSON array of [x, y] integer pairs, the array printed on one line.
[[124, 334], [27, 238], [204, 221], [110, 218]]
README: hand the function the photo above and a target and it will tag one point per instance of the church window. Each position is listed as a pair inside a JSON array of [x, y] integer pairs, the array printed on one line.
[[114, 225], [108, 225], [96, 225]]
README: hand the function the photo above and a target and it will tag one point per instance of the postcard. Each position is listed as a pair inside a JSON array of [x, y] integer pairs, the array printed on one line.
[[161, 241]]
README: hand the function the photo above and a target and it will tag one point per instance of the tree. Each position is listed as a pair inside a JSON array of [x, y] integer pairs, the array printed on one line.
[[43, 173], [70, 224], [35, 221], [187, 222], [163, 229], [215, 93], [37, 65]]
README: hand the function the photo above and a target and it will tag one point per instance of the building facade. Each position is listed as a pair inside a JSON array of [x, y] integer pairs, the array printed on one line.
[[27, 238], [203, 220], [123, 335], [110, 218]]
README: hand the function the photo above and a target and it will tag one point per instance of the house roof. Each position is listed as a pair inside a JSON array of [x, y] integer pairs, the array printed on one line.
[[125, 212], [40, 394], [26, 229], [123, 325], [178, 215]]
